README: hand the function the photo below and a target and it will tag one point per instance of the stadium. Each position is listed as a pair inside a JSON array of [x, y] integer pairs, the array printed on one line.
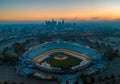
[[59, 57]]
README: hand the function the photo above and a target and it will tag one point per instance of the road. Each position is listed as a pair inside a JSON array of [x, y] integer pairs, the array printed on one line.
[[7, 73]]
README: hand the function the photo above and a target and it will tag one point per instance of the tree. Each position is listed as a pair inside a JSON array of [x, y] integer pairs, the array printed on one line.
[[82, 76], [110, 54], [119, 75], [113, 81], [5, 82], [100, 78], [20, 48], [8, 58], [107, 82], [92, 79], [13, 83], [76, 82], [85, 81], [21, 82], [67, 82], [113, 78], [106, 77]]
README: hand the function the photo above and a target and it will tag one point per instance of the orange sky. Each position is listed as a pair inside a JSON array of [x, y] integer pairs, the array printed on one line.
[[39, 16], [70, 9]]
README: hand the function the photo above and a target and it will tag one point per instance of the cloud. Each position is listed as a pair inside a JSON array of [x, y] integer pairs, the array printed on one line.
[[118, 19], [95, 18]]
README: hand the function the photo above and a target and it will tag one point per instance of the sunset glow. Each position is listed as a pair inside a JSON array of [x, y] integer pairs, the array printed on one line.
[[59, 9]]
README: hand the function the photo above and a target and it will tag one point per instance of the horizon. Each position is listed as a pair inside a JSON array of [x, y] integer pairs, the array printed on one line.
[[42, 21]]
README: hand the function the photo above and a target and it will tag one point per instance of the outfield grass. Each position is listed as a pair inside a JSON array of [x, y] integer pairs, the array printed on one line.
[[69, 62]]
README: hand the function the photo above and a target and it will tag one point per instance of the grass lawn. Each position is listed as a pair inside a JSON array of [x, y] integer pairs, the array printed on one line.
[[69, 62]]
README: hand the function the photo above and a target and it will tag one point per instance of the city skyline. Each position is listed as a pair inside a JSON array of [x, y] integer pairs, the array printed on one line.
[[29, 10]]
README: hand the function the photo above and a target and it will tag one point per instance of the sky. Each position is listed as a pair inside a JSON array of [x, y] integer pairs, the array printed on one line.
[[35, 10]]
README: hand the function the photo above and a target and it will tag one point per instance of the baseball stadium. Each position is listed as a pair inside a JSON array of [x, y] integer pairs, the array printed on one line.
[[54, 58]]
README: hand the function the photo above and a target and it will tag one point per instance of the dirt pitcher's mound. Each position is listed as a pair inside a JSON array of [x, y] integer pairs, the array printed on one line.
[[60, 58]]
